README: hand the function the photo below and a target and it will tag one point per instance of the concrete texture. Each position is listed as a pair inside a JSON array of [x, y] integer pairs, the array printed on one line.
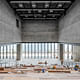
[[8, 30], [41, 76], [69, 25], [39, 31]]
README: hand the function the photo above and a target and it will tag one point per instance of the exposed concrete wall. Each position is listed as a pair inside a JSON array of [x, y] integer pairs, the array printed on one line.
[[69, 26], [8, 30], [39, 31]]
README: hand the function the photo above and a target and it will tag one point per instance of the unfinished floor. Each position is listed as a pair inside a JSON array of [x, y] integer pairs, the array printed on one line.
[[41, 76]]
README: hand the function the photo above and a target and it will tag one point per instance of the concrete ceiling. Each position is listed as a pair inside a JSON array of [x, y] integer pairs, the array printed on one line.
[[50, 9]]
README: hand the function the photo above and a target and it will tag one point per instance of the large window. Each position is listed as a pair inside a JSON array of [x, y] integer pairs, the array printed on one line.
[[68, 52], [40, 50], [8, 51]]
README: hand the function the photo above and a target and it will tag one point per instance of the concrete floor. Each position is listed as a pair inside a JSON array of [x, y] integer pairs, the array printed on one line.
[[41, 76]]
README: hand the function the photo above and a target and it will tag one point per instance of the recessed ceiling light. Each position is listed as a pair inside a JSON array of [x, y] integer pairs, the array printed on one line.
[[29, 11], [35, 16], [39, 11], [59, 5], [26, 15], [51, 11], [21, 5], [46, 5], [53, 15], [34, 5], [44, 16]]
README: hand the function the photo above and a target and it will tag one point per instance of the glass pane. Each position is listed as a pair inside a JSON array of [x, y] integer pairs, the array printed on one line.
[[4, 52], [26, 51], [33, 50], [1, 52], [43, 50], [52, 50], [23, 51], [46, 47], [66, 47], [70, 48]]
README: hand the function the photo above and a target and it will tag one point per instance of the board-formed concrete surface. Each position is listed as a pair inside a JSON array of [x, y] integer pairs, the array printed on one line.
[[39, 31], [8, 29], [69, 25], [41, 76]]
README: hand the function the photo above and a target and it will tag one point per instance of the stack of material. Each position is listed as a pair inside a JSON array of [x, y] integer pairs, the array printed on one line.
[[3, 70], [54, 70], [28, 66]]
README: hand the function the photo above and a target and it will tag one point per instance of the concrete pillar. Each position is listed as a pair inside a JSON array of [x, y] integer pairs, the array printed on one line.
[[18, 52], [61, 53], [76, 54]]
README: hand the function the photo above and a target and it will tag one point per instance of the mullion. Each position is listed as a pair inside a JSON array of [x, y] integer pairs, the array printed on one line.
[[9, 51], [47, 50], [13, 51], [72, 51], [44, 50], [54, 50], [68, 51], [38, 50], [0, 52], [34, 52], [27, 55], [3, 52], [31, 50], [51, 50], [28, 50], [41, 50], [6, 52], [25, 50]]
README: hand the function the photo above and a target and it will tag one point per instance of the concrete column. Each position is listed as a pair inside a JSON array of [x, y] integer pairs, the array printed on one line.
[[18, 52], [76, 54], [61, 53]]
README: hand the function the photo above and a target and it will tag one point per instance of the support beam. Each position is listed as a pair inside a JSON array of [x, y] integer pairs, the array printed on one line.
[[40, 9], [40, 1]]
